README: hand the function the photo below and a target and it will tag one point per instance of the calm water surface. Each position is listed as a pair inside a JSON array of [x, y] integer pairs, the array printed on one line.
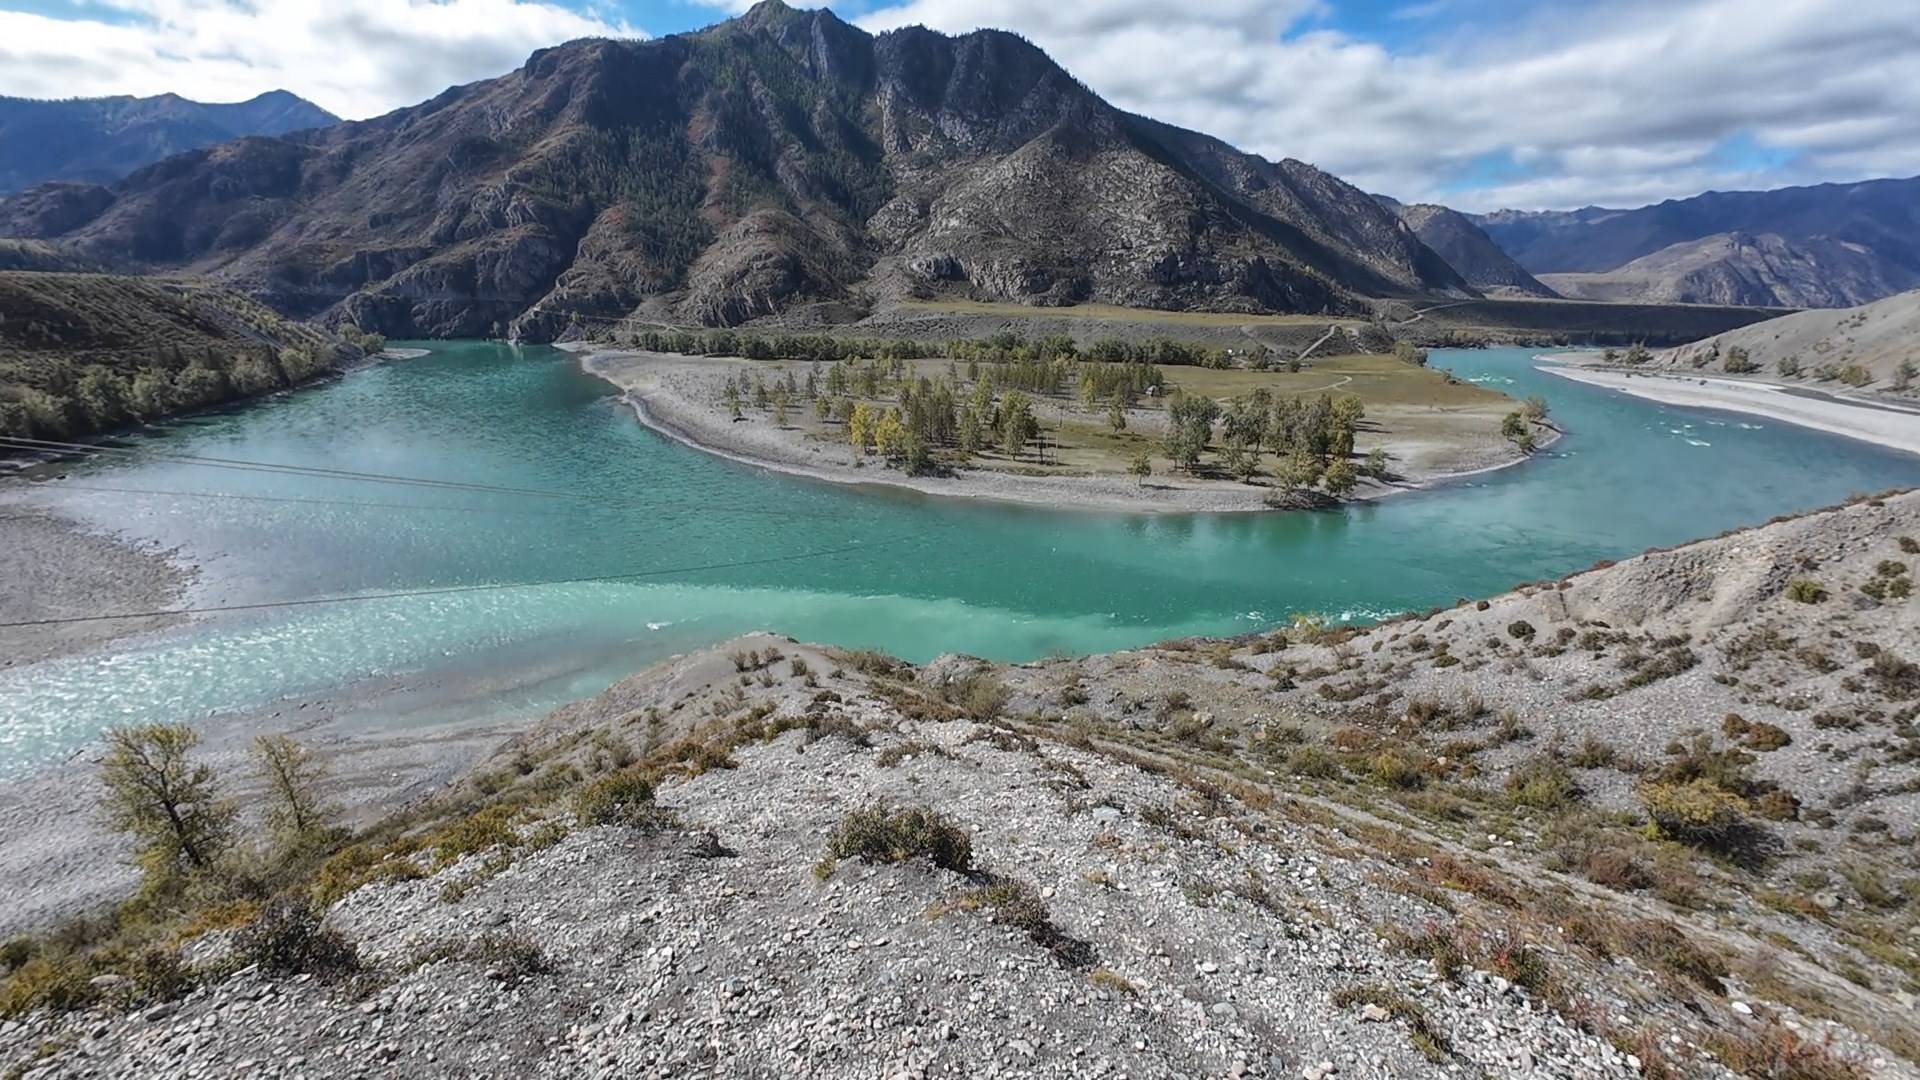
[[728, 548]]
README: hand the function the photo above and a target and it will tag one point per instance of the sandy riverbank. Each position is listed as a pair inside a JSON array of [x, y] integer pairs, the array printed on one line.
[[58, 569], [679, 397], [1889, 427]]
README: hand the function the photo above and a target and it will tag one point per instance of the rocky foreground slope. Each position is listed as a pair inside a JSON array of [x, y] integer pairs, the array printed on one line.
[[1656, 819]]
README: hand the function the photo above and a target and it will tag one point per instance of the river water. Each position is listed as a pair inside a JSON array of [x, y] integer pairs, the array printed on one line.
[[719, 548]]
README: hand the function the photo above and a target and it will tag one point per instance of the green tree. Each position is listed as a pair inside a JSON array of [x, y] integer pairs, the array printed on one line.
[[1017, 424], [1408, 353], [969, 438], [1190, 420], [1117, 415], [1377, 463], [780, 406], [170, 806], [731, 394], [1142, 467], [1300, 469], [292, 777], [1339, 479], [1637, 354]]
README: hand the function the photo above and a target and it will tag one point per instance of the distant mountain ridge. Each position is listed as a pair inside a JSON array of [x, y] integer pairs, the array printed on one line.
[[1764, 270], [101, 140], [1830, 245], [776, 161]]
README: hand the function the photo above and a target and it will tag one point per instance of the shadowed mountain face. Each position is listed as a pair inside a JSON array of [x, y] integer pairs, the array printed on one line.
[[1827, 245], [1470, 251], [777, 160], [100, 140]]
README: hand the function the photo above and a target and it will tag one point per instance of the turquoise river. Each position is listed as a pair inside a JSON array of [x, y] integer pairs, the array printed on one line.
[[726, 548]]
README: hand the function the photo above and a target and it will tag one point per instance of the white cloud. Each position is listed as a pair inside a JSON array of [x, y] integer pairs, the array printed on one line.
[[1622, 102], [357, 58]]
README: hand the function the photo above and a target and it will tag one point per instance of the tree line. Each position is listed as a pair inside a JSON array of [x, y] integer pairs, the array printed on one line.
[[61, 397]]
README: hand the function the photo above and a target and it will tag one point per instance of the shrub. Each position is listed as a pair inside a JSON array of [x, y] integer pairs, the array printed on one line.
[[1397, 769], [509, 957], [1314, 762], [625, 798], [159, 975], [16, 952], [289, 939], [1594, 754], [58, 983], [1018, 904], [877, 834], [979, 695], [1616, 868], [1806, 591], [1698, 812], [1542, 783], [1777, 1053], [1521, 629]]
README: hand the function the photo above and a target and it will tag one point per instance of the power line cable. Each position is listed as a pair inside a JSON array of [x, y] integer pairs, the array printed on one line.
[[398, 594], [330, 473]]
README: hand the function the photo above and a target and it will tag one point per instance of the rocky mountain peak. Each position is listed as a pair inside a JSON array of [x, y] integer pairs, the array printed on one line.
[[775, 160]]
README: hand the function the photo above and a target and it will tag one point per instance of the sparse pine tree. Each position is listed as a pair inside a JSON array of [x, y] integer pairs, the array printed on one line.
[[292, 776], [170, 806]]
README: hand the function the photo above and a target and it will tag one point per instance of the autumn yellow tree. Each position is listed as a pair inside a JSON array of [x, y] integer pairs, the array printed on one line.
[[860, 426], [890, 435]]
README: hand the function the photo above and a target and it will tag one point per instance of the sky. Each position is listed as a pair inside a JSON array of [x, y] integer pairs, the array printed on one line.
[[1480, 104]]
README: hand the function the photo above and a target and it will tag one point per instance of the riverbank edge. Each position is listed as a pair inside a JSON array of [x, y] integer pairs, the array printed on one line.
[[1773, 401], [1056, 493]]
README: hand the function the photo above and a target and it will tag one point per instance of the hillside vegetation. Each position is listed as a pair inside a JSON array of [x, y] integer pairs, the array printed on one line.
[[85, 353]]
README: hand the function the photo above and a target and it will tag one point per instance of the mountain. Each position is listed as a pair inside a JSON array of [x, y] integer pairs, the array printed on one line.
[[1830, 244], [1469, 250], [1766, 270], [100, 140], [1862, 347], [776, 160], [85, 353]]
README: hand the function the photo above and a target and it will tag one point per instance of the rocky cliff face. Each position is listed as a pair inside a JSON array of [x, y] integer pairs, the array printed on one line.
[[1470, 251], [774, 160]]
